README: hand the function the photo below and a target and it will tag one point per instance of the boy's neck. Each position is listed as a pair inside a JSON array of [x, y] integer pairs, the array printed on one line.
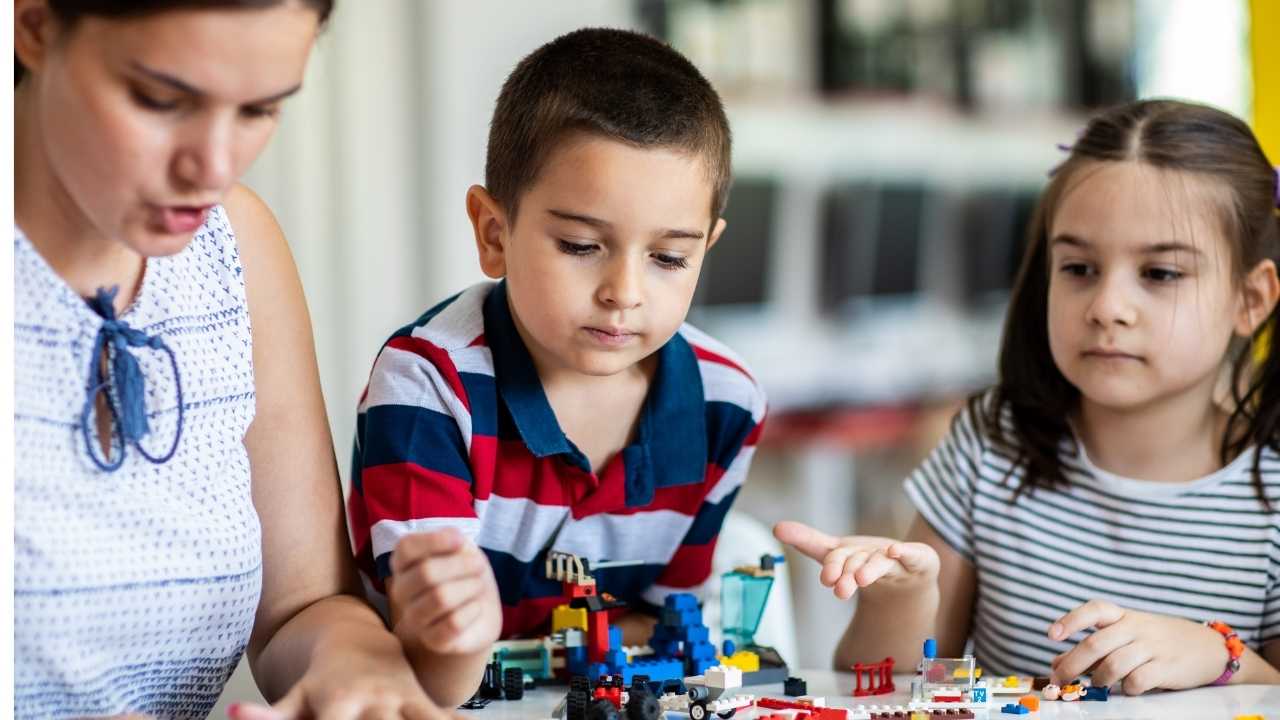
[[1176, 440], [600, 413]]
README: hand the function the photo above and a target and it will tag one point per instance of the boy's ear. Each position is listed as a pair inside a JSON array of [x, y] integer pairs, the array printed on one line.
[[1259, 294], [34, 30], [716, 231], [489, 221]]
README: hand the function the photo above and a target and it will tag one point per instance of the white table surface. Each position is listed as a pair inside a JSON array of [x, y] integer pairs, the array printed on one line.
[[1223, 703]]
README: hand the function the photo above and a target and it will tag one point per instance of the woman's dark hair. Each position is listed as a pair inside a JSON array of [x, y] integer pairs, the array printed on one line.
[[69, 12], [1171, 135]]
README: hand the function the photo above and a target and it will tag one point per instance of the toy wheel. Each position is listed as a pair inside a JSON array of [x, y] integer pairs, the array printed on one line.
[[513, 683], [697, 711], [575, 705], [602, 709], [643, 706], [727, 713]]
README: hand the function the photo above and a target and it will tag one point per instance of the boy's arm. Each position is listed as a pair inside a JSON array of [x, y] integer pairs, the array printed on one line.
[[413, 512], [891, 622]]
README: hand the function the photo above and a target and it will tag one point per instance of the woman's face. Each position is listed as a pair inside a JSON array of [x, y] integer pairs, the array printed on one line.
[[146, 122]]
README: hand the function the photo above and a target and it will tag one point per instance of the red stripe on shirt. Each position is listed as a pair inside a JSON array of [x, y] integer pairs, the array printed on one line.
[[405, 491], [438, 357]]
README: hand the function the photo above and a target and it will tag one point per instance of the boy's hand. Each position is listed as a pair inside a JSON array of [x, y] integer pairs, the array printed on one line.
[[443, 595], [863, 561], [1141, 651]]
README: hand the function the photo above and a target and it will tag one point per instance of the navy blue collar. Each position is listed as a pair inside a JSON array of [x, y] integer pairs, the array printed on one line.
[[670, 447]]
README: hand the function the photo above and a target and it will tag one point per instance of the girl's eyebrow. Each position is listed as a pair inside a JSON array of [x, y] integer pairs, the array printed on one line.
[[1149, 249], [185, 87]]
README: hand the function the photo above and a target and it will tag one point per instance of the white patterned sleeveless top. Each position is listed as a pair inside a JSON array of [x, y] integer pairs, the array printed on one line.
[[134, 590]]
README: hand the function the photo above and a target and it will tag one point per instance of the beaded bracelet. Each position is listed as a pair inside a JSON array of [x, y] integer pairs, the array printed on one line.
[[1235, 648]]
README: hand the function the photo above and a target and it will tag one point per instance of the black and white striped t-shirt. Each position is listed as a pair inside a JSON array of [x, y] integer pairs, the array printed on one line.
[[1202, 550]]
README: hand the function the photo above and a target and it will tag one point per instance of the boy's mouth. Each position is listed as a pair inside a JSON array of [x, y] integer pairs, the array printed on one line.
[[611, 336]]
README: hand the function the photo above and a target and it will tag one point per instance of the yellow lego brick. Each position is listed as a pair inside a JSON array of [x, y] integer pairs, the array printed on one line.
[[744, 660], [565, 617]]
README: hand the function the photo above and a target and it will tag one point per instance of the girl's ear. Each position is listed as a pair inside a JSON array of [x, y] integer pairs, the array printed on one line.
[[1258, 296]]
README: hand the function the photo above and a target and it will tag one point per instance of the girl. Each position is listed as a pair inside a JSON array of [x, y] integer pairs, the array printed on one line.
[[1117, 488], [176, 496]]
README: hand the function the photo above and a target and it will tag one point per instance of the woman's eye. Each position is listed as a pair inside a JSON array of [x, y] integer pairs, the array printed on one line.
[[671, 262], [573, 248], [151, 103]]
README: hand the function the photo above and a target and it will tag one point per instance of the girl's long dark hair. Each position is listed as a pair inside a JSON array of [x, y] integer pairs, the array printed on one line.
[[1036, 396]]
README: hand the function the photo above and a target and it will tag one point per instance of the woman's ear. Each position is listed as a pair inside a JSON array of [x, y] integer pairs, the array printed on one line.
[[489, 221], [1258, 296], [34, 29]]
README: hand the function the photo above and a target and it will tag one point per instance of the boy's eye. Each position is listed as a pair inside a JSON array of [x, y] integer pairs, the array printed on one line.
[[573, 248], [671, 262], [1163, 275], [152, 103]]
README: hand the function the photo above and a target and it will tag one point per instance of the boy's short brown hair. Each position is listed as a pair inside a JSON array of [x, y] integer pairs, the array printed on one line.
[[618, 84]]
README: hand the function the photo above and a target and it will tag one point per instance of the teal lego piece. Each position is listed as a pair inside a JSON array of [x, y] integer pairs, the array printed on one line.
[[744, 592]]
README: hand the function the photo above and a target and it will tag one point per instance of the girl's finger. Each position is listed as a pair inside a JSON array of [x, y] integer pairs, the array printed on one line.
[[1095, 613], [814, 543]]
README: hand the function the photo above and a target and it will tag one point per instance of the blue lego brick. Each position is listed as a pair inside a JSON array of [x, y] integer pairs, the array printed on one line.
[[615, 658], [681, 601], [575, 661], [1014, 709], [697, 634], [1101, 694], [615, 637], [657, 670]]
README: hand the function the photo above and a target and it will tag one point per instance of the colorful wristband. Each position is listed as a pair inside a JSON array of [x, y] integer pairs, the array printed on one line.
[[1235, 648]]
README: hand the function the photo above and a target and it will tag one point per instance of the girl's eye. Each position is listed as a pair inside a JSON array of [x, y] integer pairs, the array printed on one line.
[[671, 262], [151, 103], [1076, 269], [1163, 275], [573, 248]]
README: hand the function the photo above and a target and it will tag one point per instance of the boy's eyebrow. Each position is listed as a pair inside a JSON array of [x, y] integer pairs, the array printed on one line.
[[595, 222], [1151, 249], [188, 88]]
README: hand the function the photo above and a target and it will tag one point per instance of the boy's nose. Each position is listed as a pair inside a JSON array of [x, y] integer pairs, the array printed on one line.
[[622, 286]]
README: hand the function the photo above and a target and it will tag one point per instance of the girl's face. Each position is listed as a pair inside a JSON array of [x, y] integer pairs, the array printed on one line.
[[1142, 304], [146, 122]]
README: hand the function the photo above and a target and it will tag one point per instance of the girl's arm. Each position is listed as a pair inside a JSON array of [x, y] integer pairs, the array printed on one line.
[[315, 642], [907, 591], [893, 622]]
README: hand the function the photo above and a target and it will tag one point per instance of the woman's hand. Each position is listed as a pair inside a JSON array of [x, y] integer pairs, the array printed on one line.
[[1139, 651], [876, 564], [350, 684]]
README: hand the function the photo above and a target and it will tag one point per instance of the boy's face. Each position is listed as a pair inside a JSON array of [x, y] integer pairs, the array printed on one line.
[[604, 256]]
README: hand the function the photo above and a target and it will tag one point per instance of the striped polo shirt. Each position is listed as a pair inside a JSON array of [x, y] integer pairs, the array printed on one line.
[[1200, 550], [454, 430]]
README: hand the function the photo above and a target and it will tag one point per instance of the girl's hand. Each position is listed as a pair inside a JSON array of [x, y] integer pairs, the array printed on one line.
[[1141, 651], [881, 565]]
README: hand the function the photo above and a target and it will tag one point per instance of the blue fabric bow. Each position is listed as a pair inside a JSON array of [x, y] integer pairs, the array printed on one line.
[[125, 385]]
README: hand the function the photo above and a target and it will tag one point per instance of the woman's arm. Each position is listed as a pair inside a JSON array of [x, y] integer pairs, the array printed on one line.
[[314, 639]]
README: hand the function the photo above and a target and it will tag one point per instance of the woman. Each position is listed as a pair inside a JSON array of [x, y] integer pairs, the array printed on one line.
[[177, 502]]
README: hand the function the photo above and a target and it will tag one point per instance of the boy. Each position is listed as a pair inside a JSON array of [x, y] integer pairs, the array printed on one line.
[[565, 407]]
